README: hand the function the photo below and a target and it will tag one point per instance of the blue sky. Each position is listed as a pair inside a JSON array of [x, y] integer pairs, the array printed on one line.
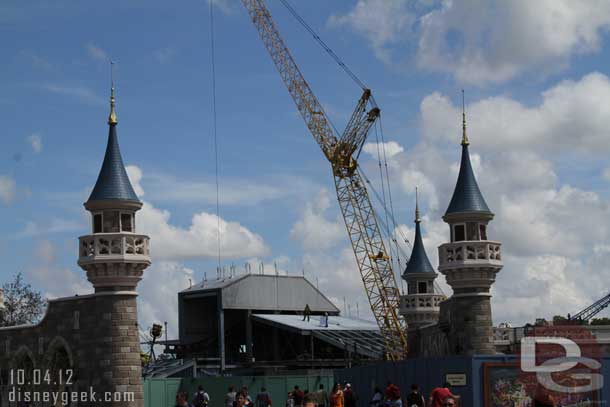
[[538, 102]]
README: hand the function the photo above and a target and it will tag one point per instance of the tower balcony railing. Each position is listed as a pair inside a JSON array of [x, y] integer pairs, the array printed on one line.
[[111, 246], [423, 302], [470, 252]]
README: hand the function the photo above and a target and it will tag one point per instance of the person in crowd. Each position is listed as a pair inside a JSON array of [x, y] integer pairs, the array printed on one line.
[[182, 400], [263, 399], [349, 396], [310, 400], [415, 398], [439, 394], [201, 398], [290, 399], [377, 399], [230, 397], [298, 396], [240, 400], [392, 392], [322, 396], [336, 396], [450, 402], [244, 391]]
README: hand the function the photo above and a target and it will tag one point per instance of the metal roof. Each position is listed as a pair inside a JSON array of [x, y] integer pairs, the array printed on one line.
[[466, 197], [112, 181], [418, 262], [356, 335], [335, 323], [265, 292]]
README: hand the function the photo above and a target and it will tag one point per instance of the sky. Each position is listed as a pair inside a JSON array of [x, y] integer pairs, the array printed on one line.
[[537, 92]]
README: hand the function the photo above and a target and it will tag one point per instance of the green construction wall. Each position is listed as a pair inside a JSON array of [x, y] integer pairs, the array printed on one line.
[[162, 392]]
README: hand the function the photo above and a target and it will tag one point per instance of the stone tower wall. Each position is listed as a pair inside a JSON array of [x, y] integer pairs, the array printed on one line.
[[99, 334]]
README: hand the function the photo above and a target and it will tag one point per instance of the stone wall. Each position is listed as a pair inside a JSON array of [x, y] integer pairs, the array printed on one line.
[[95, 336], [464, 328]]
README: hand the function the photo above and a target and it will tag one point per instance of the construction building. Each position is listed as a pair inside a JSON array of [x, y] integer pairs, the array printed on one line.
[[257, 323]]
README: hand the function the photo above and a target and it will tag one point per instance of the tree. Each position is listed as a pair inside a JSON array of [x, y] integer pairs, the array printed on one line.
[[23, 304], [600, 321]]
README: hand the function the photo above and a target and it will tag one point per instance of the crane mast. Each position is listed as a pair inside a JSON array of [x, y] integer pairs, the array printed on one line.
[[363, 229]]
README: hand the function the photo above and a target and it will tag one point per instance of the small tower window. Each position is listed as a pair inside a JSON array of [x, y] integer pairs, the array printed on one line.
[[111, 222], [471, 231], [126, 224], [483, 231], [97, 223], [422, 287], [459, 233], [411, 289]]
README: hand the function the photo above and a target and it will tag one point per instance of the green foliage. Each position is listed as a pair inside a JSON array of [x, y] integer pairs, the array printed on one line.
[[559, 318], [23, 304], [600, 321]]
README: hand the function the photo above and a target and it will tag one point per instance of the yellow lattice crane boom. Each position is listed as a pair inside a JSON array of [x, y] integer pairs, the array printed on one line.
[[363, 229]]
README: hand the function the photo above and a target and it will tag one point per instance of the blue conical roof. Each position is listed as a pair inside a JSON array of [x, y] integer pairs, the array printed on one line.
[[466, 197], [419, 262], [113, 182]]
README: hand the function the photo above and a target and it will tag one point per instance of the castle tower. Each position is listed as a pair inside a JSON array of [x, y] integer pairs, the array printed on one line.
[[114, 257], [420, 307], [469, 262]]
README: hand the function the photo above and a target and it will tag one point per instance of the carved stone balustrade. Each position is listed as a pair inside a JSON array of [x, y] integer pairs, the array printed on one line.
[[113, 246], [114, 260], [421, 308], [469, 253]]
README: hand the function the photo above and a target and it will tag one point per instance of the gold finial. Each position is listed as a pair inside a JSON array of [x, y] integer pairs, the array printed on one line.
[[417, 218], [112, 118], [465, 141]]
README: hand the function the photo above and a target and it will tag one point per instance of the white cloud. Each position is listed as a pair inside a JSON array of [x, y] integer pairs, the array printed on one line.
[[55, 280], [391, 148], [200, 239], [572, 116], [233, 191], [97, 53], [552, 232], [493, 41], [135, 176], [313, 230], [381, 22], [158, 303], [225, 6], [8, 189], [36, 60], [56, 225], [337, 274], [35, 142], [78, 92], [164, 55]]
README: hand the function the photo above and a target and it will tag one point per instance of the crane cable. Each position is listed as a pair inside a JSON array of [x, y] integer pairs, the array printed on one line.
[[321, 42], [214, 127], [387, 178]]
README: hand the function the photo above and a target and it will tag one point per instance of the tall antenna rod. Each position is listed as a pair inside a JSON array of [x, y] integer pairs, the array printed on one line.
[[112, 119], [465, 141], [213, 63]]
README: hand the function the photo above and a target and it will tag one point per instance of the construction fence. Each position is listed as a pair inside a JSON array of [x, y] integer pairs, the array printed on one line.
[[162, 392]]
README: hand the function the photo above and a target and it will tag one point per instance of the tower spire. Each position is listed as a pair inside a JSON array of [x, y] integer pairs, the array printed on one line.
[[112, 119], [417, 218], [465, 141]]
